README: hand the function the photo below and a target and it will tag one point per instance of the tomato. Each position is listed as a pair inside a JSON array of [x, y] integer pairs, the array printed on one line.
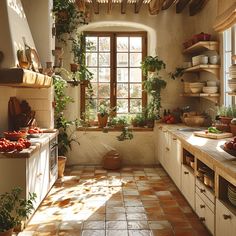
[[27, 144], [1, 149], [19, 147]]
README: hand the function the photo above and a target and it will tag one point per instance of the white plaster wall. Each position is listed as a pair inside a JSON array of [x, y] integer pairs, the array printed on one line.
[[14, 27], [41, 21], [94, 145]]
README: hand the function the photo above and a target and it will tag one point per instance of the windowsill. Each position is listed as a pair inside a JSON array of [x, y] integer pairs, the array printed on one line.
[[113, 129]]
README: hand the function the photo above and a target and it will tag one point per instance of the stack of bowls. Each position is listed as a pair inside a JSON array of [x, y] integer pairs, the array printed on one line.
[[232, 194], [211, 87], [187, 87], [196, 87]]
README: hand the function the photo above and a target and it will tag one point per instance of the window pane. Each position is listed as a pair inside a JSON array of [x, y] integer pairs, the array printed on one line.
[[104, 43], [122, 90], [122, 59], [104, 74], [91, 43], [135, 44], [122, 105], [95, 89], [135, 105], [122, 75], [91, 59], [104, 90], [104, 59], [95, 75], [135, 90], [135, 59], [135, 75], [122, 44]]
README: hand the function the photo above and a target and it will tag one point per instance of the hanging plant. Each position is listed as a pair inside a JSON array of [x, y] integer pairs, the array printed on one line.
[[152, 64]]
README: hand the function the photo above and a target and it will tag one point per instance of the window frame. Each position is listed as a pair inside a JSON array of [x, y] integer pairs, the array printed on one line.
[[113, 65]]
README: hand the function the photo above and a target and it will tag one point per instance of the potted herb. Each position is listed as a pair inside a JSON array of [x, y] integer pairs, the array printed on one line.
[[64, 126], [139, 120], [13, 210], [225, 114], [103, 114], [119, 122], [152, 64]]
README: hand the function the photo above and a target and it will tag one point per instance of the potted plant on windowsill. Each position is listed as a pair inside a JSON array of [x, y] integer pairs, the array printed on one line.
[[13, 210], [65, 127], [152, 64]]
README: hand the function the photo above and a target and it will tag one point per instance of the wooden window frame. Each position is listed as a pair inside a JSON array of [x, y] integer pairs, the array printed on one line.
[[113, 82]]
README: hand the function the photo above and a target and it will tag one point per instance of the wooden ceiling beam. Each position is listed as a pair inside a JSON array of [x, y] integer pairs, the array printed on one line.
[[155, 6], [167, 4], [196, 6], [123, 6], [95, 6], [109, 6], [138, 5], [181, 4]]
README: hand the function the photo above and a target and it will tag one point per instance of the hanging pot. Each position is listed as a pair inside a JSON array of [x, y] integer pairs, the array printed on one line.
[[7, 233]]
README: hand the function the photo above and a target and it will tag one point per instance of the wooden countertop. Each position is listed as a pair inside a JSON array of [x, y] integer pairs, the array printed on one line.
[[205, 149], [36, 144]]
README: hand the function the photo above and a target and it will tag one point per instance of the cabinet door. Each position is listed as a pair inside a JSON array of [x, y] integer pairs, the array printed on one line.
[[225, 221], [159, 150], [188, 185], [206, 216], [175, 160], [166, 150]]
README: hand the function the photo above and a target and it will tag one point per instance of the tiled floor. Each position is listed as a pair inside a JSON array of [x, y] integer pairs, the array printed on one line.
[[90, 201]]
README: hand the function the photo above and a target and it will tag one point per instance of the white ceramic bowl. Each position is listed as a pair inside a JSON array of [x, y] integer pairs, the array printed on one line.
[[204, 60], [210, 89], [213, 59], [196, 85], [211, 83], [196, 90]]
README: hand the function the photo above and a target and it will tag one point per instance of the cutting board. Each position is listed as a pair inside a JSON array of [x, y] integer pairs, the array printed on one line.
[[212, 135]]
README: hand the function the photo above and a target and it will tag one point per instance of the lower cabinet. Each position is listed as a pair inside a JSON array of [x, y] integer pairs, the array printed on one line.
[[225, 221], [188, 185], [205, 214]]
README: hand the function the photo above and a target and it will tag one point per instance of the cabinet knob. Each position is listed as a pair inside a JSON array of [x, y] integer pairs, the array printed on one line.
[[226, 217], [202, 190], [202, 206], [167, 149], [186, 172], [202, 219]]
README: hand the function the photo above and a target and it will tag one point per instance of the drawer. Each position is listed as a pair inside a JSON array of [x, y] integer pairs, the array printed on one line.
[[207, 201], [206, 216], [205, 190]]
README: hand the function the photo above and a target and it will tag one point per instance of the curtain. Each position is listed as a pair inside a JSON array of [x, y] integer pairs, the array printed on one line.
[[226, 19]]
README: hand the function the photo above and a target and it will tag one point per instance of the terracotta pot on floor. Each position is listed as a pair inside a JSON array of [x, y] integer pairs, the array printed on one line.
[[61, 166], [7, 233], [112, 160]]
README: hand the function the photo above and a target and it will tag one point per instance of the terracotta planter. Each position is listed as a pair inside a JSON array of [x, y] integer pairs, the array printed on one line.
[[225, 120], [223, 127], [150, 123], [112, 161], [7, 233], [61, 166], [74, 67], [102, 121]]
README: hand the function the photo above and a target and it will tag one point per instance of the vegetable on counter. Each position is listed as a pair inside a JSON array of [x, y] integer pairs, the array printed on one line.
[[8, 146], [231, 145], [213, 130]]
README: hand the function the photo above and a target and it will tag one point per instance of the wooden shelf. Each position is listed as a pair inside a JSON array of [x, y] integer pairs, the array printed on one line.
[[214, 69], [214, 97], [231, 93], [202, 46]]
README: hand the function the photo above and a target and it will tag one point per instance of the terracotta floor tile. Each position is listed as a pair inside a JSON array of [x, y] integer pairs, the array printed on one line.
[[116, 225], [135, 201], [93, 232], [138, 224], [117, 232], [140, 233]]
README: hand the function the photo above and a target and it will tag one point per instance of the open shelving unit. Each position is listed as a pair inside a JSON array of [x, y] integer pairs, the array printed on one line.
[[214, 69], [214, 97], [202, 46]]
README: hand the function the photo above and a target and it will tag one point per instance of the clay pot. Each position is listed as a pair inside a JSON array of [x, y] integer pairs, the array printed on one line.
[[61, 166], [223, 127], [150, 123], [7, 233], [233, 129], [74, 67], [225, 120], [112, 160], [102, 121]]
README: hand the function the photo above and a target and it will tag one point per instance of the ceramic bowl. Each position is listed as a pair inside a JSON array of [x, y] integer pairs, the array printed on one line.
[[196, 90]]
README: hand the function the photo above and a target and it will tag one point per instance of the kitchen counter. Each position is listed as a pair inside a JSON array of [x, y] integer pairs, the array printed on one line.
[[208, 150], [36, 144]]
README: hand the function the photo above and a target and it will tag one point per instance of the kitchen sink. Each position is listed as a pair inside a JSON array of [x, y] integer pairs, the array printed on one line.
[[190, 129]]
